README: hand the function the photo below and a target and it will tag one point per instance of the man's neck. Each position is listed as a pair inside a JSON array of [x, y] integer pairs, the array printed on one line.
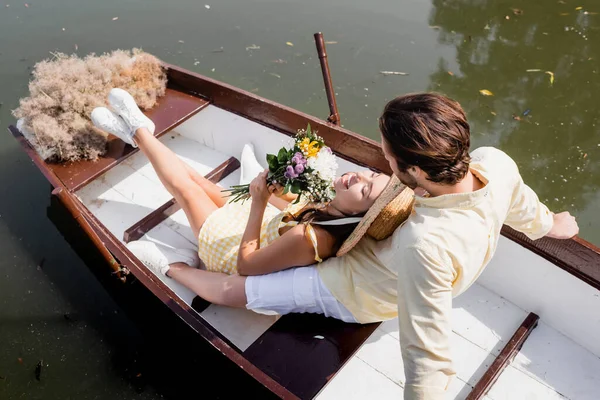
[[470, 183]]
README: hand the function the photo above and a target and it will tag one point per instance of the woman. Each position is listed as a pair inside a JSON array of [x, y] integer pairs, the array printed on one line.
[[248, 239]]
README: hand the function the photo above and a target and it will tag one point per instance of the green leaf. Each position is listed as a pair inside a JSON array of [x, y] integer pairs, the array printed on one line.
[[309, 131], [287, 188], [282, 156], [296, 187], [272, 161]]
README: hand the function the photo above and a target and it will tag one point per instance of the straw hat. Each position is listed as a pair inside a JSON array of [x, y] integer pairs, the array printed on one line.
[[389, 211]]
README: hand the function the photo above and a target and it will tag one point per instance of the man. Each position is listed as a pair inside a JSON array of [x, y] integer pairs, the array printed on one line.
[[453, 232]]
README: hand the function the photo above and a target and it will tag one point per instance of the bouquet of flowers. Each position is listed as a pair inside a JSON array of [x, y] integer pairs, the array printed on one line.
[[307, 169]]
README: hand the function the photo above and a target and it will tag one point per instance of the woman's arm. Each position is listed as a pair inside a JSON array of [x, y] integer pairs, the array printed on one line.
[[292, 249]]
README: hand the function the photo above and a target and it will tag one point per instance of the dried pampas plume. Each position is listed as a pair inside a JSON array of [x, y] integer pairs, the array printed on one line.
[[55, 118]]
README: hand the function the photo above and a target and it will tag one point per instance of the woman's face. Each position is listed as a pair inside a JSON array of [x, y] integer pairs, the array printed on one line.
[[357, 191]]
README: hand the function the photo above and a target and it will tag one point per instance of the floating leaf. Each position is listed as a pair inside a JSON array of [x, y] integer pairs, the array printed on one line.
[[450, 73], [290, 44], [486, 92], [319, 337], [493, 113], [551, 76], [115, 18], [331, 42], [533, 70], [275, 75], [252, 47], [207, 6], [578, 8], [386, 73]]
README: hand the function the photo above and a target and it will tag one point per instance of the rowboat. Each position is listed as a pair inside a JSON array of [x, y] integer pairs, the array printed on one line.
[[528, 329]]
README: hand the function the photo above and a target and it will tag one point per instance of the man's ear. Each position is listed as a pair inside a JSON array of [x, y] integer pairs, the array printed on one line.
[[414, 171]]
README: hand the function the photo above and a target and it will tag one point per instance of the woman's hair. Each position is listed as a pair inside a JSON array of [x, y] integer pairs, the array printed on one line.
[[429, 131], [340, 233]]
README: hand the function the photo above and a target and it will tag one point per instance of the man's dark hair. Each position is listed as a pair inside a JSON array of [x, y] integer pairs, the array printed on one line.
[[430, 131]]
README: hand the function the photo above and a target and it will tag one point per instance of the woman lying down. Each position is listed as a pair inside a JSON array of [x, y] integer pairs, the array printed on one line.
[[264, 254]]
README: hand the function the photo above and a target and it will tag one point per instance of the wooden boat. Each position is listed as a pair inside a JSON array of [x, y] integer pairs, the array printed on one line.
[[554, 285]]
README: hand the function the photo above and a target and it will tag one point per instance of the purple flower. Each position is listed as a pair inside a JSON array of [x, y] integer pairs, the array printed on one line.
[[290, 173], [299, 159], [299, 168]]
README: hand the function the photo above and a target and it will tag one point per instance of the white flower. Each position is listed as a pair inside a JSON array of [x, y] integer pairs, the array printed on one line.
[[324, 164]]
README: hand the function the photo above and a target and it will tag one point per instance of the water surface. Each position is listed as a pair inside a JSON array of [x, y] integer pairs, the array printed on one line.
[[457, 47]]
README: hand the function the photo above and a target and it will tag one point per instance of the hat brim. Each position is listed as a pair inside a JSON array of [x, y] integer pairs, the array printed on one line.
[[390, 192]]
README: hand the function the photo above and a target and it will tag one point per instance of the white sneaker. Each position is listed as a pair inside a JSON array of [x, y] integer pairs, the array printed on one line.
[[110, 122], [159, 257], [124, 104]]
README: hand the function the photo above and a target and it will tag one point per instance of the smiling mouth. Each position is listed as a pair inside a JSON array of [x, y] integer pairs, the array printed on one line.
[[346, 179]]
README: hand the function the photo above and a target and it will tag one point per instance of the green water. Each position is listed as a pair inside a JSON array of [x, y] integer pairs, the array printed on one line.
[[455, 47]]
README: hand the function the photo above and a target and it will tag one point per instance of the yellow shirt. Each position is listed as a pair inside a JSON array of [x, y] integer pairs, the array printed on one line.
[[221, 234], [437, 254]]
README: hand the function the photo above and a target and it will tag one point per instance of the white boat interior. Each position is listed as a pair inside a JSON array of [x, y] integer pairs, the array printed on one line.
[[560, 360]]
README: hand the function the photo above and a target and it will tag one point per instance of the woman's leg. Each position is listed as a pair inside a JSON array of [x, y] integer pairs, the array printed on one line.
[[215, 287], [212, 190], [194, 200]]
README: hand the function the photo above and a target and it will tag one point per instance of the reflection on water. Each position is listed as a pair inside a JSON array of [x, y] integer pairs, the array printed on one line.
[[457, 47], [540, 63]]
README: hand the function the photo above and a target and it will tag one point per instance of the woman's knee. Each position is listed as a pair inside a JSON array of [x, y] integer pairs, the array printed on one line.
[[185, 187]]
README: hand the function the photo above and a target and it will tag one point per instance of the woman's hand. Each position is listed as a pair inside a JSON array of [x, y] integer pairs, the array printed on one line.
[[276, 189], [259, 190]]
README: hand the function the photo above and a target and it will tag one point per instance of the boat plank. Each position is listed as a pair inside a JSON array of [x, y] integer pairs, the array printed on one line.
[[382, 352], [557, 362], [368, 384], [504, 358], [241, 327], [514, 384]]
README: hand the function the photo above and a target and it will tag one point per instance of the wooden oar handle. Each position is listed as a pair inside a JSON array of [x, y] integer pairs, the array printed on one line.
[[334, 115]]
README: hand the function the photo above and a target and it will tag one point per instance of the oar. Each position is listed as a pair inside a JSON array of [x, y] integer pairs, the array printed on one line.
[[334, 115]]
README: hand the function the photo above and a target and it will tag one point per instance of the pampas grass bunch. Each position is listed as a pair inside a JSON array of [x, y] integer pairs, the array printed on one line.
[[55, 118]]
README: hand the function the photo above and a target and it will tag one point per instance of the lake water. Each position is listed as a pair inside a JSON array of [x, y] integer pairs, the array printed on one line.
[[540, 63]]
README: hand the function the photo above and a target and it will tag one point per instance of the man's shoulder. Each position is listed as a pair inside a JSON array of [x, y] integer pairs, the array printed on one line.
[[488, 155], [491, 157]]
